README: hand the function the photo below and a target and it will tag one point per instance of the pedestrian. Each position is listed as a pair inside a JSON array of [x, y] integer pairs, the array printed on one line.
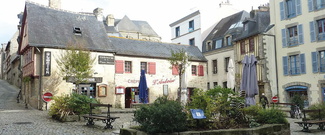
[[264, 101]]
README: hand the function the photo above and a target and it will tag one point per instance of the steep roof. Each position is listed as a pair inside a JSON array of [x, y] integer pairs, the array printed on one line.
[[258, 23], [140, 48], [54, 28]]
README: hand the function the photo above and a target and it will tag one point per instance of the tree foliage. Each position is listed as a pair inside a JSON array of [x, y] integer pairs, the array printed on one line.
[[76, 62]]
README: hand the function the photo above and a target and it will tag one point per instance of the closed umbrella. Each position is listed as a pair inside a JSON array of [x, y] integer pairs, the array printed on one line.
[[231, 75], [143, 92], [245, 63], [252, 88]]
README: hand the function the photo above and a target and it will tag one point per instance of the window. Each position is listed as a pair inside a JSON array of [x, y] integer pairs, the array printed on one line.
[[209, 46], [193, 69], [128, 67], [177, 31], [251, 45], [214, 66], [215, 84], [143, 66], [228, 40], [190, 26], [208, 85], [294, 64], [218, 44], [192, 41], [226, 63], [242, 47], [317, 30], [290, 9], [224, 84], [292, 36], [318, 61], [77, 31], [321, 29], [316, 4]]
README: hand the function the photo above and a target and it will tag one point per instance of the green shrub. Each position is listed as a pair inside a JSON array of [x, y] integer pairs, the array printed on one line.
[[315, 115], [271, 116], [163, 116], [70, 104], [297, 100]]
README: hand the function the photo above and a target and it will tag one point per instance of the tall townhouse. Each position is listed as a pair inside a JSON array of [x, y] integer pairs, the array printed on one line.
[[218, 47], [132, 56], [12, 72], [256, 41], [300, 30], [187, 30]]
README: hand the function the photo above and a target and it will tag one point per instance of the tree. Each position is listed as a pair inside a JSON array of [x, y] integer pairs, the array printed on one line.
[[179, 59], [76, 62]]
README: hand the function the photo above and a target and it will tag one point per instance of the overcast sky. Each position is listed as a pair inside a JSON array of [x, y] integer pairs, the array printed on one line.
[[158, 13]]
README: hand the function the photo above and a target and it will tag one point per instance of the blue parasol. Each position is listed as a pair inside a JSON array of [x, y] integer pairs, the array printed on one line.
[[143, 88]]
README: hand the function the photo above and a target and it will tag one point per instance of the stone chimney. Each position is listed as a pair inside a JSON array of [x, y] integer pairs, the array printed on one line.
[[265, 7], [98, 12], [110, 20], [55, 4]]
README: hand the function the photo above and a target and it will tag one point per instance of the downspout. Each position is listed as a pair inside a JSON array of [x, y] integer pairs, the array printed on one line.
[[40, 78], [276, 63]]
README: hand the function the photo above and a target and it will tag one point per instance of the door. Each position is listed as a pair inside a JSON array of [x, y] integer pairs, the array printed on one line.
[[128, 97]]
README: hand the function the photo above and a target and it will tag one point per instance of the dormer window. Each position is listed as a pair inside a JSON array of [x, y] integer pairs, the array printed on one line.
[[77, 31]]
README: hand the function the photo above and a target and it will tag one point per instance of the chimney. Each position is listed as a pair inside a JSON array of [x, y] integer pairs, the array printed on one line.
[[110, 20], [55, 4], [98, 12], [265, 7]]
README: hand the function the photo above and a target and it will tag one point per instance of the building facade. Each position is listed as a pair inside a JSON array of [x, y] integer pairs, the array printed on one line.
[[12, 72], [218, 47], [187, 30], [299, 27]]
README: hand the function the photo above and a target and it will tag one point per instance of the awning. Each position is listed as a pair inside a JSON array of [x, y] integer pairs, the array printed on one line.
[[296, 88]]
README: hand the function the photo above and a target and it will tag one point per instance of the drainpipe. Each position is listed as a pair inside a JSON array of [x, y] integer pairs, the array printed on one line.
[[276, 63], [40, 78]]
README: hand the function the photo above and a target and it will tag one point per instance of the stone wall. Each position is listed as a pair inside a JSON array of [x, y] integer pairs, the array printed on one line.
[[268, 129]]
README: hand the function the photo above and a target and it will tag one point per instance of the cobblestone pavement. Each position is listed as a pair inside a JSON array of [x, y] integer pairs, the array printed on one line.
[[15, 119]]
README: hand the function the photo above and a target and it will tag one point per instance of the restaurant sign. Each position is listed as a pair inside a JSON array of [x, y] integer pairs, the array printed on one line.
[[109, 60], [47, 62]]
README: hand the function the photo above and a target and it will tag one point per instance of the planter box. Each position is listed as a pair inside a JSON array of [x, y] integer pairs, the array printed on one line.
[[268, 129]]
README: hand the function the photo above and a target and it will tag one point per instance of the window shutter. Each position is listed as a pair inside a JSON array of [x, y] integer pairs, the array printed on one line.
[[282, 12], [201, 71], [312, 31], [310, 5], [302, 64], [300, 34], [285, 65], [175, 70], [152, 68], [284, 38], [119, 66], [314, 61], [298, 5]]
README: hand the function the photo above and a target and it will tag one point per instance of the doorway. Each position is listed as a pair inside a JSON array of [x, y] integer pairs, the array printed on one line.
[[131, 96]]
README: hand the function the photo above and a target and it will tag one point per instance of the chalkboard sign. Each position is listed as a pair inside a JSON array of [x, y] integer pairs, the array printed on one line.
[[106, 60]]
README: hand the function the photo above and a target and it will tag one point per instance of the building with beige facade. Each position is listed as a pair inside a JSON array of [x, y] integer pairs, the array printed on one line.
[[117, 60], [300, 30]]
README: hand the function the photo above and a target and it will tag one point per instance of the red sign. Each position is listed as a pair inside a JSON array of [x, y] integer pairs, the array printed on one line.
[[275, 99], [47, 97]]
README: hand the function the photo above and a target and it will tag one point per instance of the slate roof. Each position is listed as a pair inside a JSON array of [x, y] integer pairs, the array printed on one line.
[[229, 25], [53, 28], [126, 24], [256, 25], [130, 47]]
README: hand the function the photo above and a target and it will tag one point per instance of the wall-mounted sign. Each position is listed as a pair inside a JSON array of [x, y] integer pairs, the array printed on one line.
[[47, 63], [119, 90], [102, 90], [106, 60]]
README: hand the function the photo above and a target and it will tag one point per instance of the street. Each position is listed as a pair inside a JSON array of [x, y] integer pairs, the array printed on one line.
[[16, 119]]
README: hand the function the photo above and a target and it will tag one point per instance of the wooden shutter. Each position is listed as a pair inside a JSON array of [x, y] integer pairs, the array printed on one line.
[[314, 61], [302, 64], [298, 6], [201, 71], [312, 31], [152, 67], [119, 66], [310, 5], [300, 34], [175, 70], [285, 65], [282, 11], [284, 38]]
